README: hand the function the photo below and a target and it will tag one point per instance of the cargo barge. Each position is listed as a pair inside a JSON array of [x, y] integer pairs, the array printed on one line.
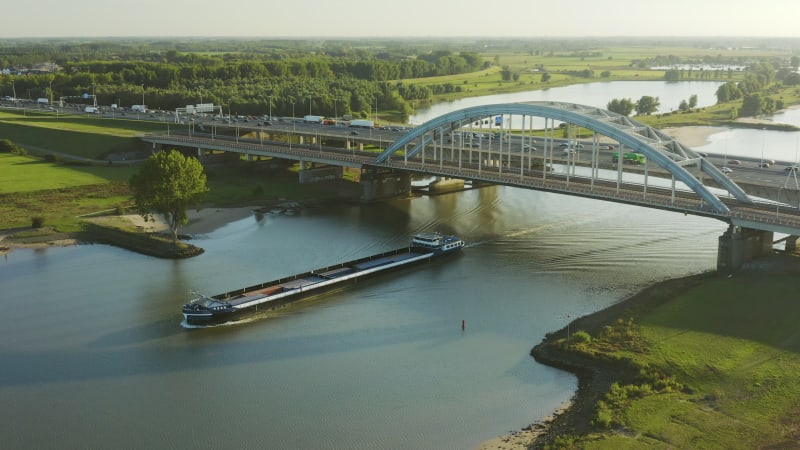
[[229, 306]]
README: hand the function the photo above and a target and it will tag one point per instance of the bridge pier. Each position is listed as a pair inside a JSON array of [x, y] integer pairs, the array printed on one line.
[[442, 185], [791, 244], [313, 174], [381, 185], [739, 245]]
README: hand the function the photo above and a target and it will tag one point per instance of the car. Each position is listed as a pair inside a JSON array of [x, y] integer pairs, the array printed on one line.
[[526, 147], [354, 132], [569, 151], [792, 168], [763, 164], [563, 145], [735, 162], [726, 169], [608, 147]]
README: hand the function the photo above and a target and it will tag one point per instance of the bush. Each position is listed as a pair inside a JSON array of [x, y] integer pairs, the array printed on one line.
[[7, 146], [581, 336], [37, 222]]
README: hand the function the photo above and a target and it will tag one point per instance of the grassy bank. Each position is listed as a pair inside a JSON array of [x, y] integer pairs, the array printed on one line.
[[604, 64], [82, 136], [701, 362]]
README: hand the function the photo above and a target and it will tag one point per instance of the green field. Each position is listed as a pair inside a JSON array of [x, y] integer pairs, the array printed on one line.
[[619, 62], [24, 174], [730, 352], [83, 136]]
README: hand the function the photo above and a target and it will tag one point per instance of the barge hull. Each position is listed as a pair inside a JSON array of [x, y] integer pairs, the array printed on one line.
[[247, 300]]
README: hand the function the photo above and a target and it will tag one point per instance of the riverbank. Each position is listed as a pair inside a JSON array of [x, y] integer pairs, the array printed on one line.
[[603, 368]]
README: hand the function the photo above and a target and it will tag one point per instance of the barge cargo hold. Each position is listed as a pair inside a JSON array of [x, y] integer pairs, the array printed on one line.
[[229, 306]]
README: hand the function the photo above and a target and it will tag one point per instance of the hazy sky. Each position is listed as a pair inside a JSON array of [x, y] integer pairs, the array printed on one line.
[[415, 18]]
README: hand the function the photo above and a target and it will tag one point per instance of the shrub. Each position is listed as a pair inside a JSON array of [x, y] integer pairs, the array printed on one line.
[[37, 222], [7, 146], [581, 336]]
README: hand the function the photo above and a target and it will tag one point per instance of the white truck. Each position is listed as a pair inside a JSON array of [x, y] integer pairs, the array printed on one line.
[[312, 119], [359, 123], [91, 110], [139, 108]]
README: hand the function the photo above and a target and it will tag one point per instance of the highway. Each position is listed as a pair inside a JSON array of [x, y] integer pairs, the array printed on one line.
[[743, 170]]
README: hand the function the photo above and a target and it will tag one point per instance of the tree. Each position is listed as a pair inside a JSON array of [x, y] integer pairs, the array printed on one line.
[[545, 77], [728, 92], [622, 106], [752, 105], [167, 184], [672, 75], [693, 101], [647, 105]]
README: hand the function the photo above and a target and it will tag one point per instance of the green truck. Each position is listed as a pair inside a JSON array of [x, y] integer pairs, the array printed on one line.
[[629, 158]]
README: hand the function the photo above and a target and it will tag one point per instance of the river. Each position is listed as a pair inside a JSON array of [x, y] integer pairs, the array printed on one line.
[[94, 354]]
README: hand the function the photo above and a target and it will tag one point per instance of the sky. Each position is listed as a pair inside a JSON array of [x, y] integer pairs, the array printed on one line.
[[404, 18]]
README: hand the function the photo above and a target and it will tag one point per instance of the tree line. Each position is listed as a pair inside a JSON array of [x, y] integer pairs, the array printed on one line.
[[289, 80]]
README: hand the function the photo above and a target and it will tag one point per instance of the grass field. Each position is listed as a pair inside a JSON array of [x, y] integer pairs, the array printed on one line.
[[83, 136], [732, 345], [618, 61], [23, 174]]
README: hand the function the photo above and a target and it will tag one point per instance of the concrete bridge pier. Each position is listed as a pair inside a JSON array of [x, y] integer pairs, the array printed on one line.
[[790, 246], [383, 184], [311, 174], [739, 245]]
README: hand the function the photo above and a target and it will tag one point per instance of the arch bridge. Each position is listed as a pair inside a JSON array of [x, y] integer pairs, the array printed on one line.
[[501, 144], [657, 148]]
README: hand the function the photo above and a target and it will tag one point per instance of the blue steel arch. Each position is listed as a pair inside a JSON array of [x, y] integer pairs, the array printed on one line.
[[658, 147]]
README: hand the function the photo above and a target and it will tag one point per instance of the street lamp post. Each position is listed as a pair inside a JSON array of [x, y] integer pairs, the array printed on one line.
[[293, 127], [335, 112], [270, 107]]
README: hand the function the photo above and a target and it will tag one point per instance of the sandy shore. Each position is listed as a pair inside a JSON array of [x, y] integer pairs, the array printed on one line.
[[522, 439], [201, 221], [693, 136]]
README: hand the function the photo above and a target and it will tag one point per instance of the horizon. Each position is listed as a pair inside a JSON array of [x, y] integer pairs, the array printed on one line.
[[349, 19]]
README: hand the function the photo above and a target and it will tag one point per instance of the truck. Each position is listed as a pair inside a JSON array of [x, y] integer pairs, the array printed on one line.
[[139, 108], [91, 110], [42, 101], [359, 123], [313, 119], [629, 157]]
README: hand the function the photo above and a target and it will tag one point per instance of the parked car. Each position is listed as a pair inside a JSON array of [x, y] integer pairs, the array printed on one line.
[[735, 162], [763, 164], [726, 169]]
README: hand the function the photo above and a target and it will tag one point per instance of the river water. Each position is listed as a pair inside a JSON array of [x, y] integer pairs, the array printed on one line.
[[597, 94], [94, 354]]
